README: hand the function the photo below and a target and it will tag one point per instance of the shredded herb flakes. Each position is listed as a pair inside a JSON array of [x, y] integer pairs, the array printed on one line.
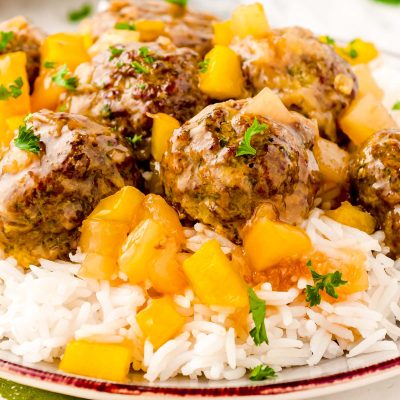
[[5, 38], [139, 68], [125, 26], [396, 106], [144, 52], [393, 2], [352, 53], [60, 79], [80, 13], [182, 3], [326, 283], [245, 147], [49, 64], [14, 90], [261, 373], [204, 65], [258, 313], [115, 52], [328, 40], [133, 140], [26, 139]]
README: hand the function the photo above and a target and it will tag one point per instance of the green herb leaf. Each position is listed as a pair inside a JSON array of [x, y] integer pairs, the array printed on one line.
[[125, 26], [142, 86], [204, 65], [5, 38], [27, 140], [326, 283], [329, 40], [139, 68], [182, 3], [49, 64], [258, 313], [144, 52], [80, 13], [133, 140], [60, 79], [396, 106], [14, 90], [393, 2], [245, 147], [352, 53], [115, 52], [261, 373]]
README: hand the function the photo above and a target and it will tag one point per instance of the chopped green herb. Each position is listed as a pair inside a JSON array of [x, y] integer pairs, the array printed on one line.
[[5, 38], [352, 53], [144, 52], [142, 86], [14, 90], [133, 140], [394, 2], [182, 3], [396, 106], [106, 111], [139, 68], [27, 140], [120, 64], [258, 313], [80, 13], [329, 40], [49, 64], [125, 26], [62, 108], [261, 373], [203, 65], [326, 283], [115, 52], [245, 147], [61, 80]]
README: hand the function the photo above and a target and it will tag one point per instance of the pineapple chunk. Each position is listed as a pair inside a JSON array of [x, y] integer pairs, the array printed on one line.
[[333, 161], [358, 52], [221, 74], [160, 321], [366, 82], [223, 34], [123, 206], [163, 128], [113, 37], [353, 216], [214, 278], [250, 20], [365, 116], [150, 30], [108, 361], [276, 239], [96, 266], [141, 248]]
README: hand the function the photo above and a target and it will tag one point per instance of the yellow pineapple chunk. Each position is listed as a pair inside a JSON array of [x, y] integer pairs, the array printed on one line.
[[250, 20]]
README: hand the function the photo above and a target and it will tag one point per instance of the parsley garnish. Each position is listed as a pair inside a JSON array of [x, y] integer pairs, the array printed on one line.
[[80, 13], [258, 313], [395, 2], [396, 106], [139, 68], [329, 40], [14, 90], [133, 140], [245, 147], [27, 140], [49, 64], [142, 86], [261, 373], [203, 65], [115, 52], [5, 38], [326, 283], [60, 79], [352, 53], [182, 3], [144, 52], [125, 26]]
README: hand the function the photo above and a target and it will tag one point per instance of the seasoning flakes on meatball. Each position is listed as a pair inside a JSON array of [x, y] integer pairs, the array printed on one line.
[[307, 74], [375, 175], [46, 192], [208, 180], [123, 86]]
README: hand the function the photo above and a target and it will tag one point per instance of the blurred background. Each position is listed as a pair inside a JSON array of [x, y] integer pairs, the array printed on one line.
[[374, 20]]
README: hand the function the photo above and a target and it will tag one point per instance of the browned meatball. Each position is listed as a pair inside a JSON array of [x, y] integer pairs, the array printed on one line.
[[44, 198], [26, 38], [375, 175], [207, 181], [308, 75], [186, 28], [124, 89]]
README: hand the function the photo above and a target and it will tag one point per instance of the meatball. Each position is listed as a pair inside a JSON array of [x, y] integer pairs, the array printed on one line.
[[121, 88], [308, 75], [207, 181], [44, 198], [375, 177], [186, 28], [26, 38]]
